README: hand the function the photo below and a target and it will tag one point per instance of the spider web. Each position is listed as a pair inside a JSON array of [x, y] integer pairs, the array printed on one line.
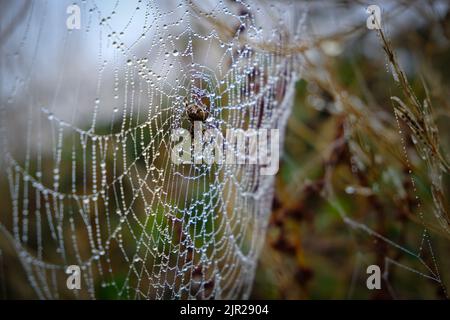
[[94, 108]]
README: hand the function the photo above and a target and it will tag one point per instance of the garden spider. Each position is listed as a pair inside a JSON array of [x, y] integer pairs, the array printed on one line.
[[196, 110]]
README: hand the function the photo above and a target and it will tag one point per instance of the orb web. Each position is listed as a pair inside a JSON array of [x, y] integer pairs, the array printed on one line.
[[86, 124]]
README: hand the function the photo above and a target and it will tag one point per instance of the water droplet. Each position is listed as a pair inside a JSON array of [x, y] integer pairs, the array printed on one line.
[[350, 190]]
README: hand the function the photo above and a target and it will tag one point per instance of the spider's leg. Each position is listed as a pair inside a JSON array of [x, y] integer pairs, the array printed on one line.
[[191, 129]]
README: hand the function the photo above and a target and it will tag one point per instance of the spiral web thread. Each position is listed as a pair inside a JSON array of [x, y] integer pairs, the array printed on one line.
[[95, 186]]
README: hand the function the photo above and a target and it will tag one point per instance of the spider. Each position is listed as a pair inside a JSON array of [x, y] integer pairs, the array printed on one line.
[[196, 111]]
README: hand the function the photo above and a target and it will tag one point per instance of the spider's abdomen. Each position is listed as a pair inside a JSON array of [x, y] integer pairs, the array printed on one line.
[[197, 113]]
